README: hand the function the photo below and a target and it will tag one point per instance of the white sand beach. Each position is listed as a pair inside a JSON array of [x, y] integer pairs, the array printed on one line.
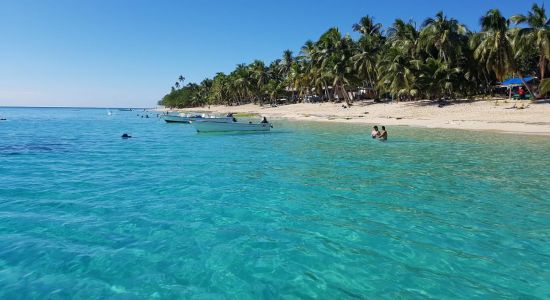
[[468, 115]]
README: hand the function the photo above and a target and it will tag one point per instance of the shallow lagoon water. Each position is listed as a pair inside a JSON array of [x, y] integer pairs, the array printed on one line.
[[311, 210]]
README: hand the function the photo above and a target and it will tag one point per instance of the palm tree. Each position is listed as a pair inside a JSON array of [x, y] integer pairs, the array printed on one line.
[[242, 82], [204, 91], [368, 47], [367, 27], [396, 74], [493, 46], [286, 62], [297, 78], [536, 34], [181, 79], [286, 67], [311, 71], [177, 84], [322, 57], [220, 90], [404, 36], [326, 56], [260, 76], [447, 36], [436, 78]]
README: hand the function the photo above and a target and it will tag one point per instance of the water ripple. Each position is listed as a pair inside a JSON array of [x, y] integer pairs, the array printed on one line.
[[313, 211]]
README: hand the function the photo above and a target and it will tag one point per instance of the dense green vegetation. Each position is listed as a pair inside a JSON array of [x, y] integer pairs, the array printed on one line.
[[441, 59]]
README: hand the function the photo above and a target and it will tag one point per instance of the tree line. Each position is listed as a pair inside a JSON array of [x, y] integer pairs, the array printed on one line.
[[440, 59]]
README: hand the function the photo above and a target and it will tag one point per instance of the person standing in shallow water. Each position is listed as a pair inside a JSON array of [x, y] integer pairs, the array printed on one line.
[[375, 133], [383, 134]]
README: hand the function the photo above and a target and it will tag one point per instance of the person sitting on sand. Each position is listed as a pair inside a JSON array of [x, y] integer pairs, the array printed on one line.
[[264, 121], [521, 93], [383, 135], [375, 133]]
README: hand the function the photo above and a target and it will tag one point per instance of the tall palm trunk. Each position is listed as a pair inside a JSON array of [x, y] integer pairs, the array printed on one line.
[[533, 96], [542, 66], [327, 94], [346, 95]]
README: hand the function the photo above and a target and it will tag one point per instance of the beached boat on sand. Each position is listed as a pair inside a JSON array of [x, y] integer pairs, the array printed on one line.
[[206, 126]]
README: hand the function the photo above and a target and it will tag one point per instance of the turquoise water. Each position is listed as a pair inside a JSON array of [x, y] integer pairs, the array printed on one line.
[[307, 211]]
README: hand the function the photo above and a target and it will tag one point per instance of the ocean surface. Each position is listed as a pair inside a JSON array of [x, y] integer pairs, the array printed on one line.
[[310, 210]]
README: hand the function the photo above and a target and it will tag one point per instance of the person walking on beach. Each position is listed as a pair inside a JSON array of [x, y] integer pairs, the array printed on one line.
[[383, 134], [375, 133]]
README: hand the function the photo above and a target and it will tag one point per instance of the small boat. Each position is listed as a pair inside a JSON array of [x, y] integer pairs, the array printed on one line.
[[125, 109], [175, 119], [214, 119], [182, 118], [205, 126]]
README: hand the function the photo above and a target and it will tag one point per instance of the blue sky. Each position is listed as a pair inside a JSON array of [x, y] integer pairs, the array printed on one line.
[[114, 53]]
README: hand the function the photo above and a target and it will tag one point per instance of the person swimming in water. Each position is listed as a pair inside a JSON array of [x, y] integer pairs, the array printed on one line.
[[375, 133], [126, 136], [383, 134]]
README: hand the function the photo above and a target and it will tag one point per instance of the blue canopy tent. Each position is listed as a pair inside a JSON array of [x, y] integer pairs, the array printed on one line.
[[513, 82]]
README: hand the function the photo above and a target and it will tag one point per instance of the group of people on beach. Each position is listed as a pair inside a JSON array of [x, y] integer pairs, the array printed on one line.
[[379, 134]]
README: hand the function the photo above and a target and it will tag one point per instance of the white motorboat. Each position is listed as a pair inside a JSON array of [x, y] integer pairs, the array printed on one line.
[[175, 119], [187, 118], [206, 126], [215, 119]]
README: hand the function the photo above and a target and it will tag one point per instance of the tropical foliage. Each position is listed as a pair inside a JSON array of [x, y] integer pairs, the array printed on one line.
[[441, 59]]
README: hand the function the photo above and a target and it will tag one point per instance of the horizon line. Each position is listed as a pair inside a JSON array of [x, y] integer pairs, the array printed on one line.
[[84, 107]]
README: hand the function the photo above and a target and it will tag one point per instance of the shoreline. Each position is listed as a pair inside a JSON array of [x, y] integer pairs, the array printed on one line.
[[534, 119]]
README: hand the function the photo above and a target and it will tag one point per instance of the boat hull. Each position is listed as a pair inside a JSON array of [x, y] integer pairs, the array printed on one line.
[[230, 127], [175, 119], [216, 120], [187, 119]]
